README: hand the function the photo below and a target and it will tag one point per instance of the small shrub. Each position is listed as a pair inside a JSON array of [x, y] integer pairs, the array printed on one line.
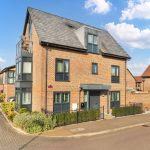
[[2, 97], [8, 107], [49, 123], [34, 122], [60, 119], [23, 110], [11, 115]]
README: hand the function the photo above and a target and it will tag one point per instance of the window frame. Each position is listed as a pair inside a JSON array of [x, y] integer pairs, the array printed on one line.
[[115, 101], [61, 107], [92, 44], [63, 73], [23, 67], [115, 78], [95, 73], [8, 77], [22, 97], [61, 101]]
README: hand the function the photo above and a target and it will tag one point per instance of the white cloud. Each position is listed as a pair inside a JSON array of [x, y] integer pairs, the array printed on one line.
[[129, 35], [139, 67], [2, 60], [136, 9], [98, 6]]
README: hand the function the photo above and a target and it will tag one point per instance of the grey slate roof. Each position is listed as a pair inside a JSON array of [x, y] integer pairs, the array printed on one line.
[[61, 31], [7, 68]]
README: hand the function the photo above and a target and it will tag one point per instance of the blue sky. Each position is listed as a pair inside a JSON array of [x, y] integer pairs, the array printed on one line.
[[127, 20]]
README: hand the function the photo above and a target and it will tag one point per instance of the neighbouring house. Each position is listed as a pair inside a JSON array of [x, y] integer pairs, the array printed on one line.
[[146, 78], [139, 83], [130, 81], [7, 82], [64, 65], [138, 89]]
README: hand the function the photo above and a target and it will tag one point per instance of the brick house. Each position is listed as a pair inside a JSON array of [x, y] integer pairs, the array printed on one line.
[[7, 82], [64, 65], [130, 81], [139, 83], [146, 78]]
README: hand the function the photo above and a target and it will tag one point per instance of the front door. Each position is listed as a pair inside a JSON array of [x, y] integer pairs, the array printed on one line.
[[94, 99]]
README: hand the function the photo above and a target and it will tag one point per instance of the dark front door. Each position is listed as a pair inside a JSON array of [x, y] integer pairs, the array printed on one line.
[[94, 99]]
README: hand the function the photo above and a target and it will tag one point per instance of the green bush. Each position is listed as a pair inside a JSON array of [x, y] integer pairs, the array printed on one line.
[[7, 107], [2, 97], [60, 119], [128, 110], [88, 115], [11, 115], [70, 118], [23, 110], [34, 122], [76, 117]]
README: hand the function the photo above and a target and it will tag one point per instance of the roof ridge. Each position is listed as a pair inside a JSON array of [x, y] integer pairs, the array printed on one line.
[[147, 71], [68, 19]]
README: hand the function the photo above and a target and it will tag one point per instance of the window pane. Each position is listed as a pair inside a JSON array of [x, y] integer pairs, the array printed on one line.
[[112, 96], [118, 96], [90, 38], [66, 66], [85, 96], [90, 49], [19, 67], [11, 74], [117, 71], [113, 72], [57, 99], [94, 68], [11, 80], [59, 76], [65, 97], [59, 66], [95, 48], [26, 98], [27, 67], [95, 40], [66, 76]]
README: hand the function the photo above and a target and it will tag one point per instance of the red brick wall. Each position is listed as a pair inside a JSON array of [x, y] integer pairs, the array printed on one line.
[[147, 84], [141, 97], [130, 80]]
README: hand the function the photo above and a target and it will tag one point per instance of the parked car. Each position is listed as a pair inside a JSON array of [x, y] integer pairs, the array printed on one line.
[[11, 99]]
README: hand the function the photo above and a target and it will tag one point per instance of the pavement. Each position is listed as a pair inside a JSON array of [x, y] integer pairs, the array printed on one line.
[[99, 127], [77, 135]]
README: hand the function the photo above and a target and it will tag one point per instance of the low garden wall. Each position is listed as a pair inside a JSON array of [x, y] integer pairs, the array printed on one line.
[[140, 97]]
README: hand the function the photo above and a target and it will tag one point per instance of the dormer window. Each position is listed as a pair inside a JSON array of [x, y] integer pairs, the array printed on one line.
[[92, 43]]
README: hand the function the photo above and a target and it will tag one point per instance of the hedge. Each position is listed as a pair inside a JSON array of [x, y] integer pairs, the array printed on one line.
[[126, 110], [76, 117]]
